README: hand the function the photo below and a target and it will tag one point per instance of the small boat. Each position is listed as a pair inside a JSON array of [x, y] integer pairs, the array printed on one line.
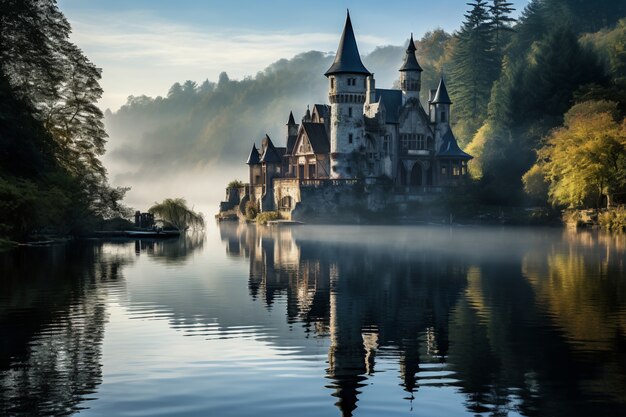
[[152, 233]]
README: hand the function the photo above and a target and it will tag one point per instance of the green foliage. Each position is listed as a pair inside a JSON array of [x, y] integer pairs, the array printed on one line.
[[476, 60], [433, 51], [235, 184], [501, 22], [174, 212], [267, 216], [51, 131]]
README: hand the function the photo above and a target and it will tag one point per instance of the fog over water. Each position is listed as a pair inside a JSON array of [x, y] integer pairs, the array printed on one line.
[[318, 321], [194, 141]]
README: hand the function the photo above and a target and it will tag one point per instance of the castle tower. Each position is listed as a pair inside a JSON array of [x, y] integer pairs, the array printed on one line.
[[347, 76], [410, 74], [439, 108]]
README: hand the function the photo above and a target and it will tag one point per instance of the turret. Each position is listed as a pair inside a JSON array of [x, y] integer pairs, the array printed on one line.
[[254, 165], [410, 74], [292, 126], [347, 77], [439, 107]]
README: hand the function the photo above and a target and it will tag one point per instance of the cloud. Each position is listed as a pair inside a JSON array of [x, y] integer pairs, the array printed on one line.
[[141, 54]]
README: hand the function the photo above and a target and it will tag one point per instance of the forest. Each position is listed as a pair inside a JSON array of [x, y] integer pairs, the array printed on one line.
[[512, 81], [539, 100]]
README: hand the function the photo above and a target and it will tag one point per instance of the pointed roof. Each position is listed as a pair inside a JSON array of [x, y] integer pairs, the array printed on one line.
[[254, 159], [291, 121], [271, 154], [441, 97], [450, 148], [347, 60], [318, 138], [307, 115], [410, 60], [392, 100]]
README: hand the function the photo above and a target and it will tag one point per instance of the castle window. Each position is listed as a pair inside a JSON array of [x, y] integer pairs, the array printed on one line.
[[420, 142], [443, 170], [332, 83], [350, 111], [464, 168], [456, 170], [443, 116], [350, 138]]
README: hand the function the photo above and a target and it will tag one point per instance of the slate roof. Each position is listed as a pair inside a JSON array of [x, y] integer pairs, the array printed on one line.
[[254, 158], [450, 148], [322, 109], [392, 100], [410, 60], [316, 132], [291, 142], [441, 97], [347, 60], [271, 154]]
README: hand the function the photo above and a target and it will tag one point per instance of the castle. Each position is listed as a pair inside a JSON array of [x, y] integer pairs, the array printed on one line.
[[366, 135]]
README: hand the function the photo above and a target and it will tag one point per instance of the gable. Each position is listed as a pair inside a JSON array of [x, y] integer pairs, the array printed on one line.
[[302, 145]]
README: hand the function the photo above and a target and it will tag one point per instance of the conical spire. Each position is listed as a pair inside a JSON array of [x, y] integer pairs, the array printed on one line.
[[441, 97], [270, 154], [291, 121], [347, 60], [410, 60], [254, 159]]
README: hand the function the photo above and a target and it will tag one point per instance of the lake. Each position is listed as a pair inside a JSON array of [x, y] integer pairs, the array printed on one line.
[[318, 321]]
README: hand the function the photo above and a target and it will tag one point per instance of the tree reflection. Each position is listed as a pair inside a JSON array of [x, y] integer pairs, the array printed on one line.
[[52, 315], [171, 251], [539, 331]]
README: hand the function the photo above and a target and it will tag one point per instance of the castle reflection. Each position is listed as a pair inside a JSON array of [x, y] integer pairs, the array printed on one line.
[[506, 332]]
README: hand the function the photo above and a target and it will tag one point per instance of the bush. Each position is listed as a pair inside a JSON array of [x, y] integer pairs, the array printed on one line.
[[251, 210], [267, 216], [235, 184], [613, 220]]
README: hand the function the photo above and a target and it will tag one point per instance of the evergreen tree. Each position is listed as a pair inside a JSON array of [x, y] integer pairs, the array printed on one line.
[[474, 68], [501, 23]]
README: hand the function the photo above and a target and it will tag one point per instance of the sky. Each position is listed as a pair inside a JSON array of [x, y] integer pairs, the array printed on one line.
[[145, 46]]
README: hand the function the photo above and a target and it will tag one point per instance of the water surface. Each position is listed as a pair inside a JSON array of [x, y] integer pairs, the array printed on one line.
[[318, 321]]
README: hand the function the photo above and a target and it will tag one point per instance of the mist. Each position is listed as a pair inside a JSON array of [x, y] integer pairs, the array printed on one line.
[[192, 142]]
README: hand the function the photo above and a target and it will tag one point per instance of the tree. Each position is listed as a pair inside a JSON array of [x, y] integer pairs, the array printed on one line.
[[174, 211], [52, 89], [584, 161], [501, 22], [474, 68]]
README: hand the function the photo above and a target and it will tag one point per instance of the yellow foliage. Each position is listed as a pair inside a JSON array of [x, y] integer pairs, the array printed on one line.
[[476, 148], [585, 160]]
